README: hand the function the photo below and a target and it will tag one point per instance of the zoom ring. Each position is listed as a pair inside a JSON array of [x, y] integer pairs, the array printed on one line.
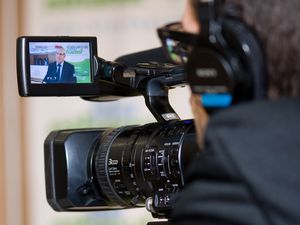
[[101, 165]]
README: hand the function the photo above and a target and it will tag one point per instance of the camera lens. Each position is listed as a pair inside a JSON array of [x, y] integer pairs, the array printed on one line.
[[113, 166], [133, 163]]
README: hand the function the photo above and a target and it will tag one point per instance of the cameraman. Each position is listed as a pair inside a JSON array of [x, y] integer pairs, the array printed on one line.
[[248, 169]]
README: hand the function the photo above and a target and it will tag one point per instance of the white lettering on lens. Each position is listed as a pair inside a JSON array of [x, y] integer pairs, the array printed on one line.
[[206, 73], [113, 162]]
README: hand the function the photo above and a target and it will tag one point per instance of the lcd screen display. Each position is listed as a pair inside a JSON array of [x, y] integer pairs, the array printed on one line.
[[60, 62]]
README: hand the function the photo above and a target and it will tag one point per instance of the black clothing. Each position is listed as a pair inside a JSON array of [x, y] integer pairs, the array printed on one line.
[[249, 171], [67, 74]]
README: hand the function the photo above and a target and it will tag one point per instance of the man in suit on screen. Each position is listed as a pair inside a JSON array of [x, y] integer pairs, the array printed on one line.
[[60, 71]]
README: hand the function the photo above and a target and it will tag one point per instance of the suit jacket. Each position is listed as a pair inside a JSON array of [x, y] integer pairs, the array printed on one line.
[[249, 171], [67, 74]]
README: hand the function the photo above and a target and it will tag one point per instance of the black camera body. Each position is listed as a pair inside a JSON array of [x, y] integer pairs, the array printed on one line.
[[104, 169], [109, 168]]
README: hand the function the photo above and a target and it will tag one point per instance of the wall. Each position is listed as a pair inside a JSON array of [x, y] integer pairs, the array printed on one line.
[[2, 155], [11, 156]]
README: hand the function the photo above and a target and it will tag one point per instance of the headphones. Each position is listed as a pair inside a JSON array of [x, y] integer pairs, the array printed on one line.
[[227, 64]]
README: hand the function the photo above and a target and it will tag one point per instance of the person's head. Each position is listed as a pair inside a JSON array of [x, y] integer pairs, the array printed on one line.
[[60, 55], [277, 24]]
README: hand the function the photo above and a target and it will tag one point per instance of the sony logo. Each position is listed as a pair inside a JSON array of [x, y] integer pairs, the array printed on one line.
[[206, 72]]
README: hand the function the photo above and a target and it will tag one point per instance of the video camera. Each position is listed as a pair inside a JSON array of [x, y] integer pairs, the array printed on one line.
[[108, 168]]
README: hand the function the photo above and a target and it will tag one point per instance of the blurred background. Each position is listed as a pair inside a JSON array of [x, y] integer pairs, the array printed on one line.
[[121, 27]]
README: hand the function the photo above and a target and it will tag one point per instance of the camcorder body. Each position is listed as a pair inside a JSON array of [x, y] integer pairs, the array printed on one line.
[[109, 168]]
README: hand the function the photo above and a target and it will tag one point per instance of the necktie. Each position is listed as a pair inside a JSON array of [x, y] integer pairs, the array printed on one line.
[[58, 72]]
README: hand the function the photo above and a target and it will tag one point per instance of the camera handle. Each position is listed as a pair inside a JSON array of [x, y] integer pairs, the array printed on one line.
[[157, 100], [153, 80]]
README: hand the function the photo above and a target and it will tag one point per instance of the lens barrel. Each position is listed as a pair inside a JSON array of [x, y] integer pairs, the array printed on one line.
[[134, 163], [116, 168]]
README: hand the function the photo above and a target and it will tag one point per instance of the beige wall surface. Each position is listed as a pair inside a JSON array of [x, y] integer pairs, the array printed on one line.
[[2, 172], [10, 120]]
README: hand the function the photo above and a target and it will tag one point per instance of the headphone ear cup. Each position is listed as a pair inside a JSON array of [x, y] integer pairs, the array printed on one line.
[[242, 40], [210, 74]]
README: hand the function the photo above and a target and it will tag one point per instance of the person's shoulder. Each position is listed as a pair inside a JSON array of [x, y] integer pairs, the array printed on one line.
[[254, 121], [52, 64], [68, 64], [260, 110]]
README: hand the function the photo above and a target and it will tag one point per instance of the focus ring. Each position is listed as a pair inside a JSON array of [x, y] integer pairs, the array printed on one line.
[[101, 162]]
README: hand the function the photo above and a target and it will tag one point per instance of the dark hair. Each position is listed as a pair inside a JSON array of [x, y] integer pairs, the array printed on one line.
[[277, 24]]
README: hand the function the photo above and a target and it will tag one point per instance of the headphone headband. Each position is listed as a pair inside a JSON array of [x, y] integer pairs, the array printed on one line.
[[207, 15]]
